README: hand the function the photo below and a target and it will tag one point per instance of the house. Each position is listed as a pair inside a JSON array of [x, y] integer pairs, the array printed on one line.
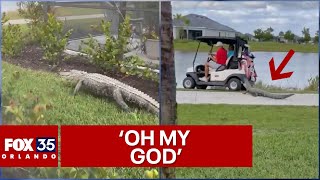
[[200, 26], [250, 37]]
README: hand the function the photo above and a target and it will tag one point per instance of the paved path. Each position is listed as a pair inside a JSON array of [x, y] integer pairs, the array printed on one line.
[[211, 97]]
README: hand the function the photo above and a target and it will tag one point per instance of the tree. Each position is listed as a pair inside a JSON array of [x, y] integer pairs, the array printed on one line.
[[267, 35], [316, 37], [289, 35], [270, 30], [122, 16], [179, 17], [168, 105], [258, 33], [36, 12], [187, 23], [306, 34], [281, 34]]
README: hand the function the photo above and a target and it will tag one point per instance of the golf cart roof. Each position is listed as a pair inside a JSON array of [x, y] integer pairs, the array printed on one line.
[[211, 40]]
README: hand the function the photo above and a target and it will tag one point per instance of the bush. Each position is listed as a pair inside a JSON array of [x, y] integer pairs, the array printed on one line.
[[78, 173], [136, 66], [53, 40], [110, 55], [11, 38], [313, 84], [34, 11]]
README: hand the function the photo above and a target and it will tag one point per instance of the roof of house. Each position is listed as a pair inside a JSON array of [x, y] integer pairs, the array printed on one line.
[[249, 35], [202, 21]]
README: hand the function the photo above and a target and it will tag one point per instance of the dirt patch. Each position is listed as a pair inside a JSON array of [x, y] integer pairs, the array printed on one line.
[[31, 58]]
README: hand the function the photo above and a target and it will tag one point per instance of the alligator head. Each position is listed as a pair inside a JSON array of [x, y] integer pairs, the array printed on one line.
[[74, 75]]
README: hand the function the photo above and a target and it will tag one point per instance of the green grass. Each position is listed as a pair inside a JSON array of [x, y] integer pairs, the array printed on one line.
[[191, 46], [67, 109], [83, 109], [83, 27], [74, 11], [312, 88], [285, 139], [12, 15], [62, 11]]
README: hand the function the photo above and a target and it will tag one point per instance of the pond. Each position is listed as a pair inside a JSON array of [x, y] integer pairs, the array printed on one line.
[[304, 66]]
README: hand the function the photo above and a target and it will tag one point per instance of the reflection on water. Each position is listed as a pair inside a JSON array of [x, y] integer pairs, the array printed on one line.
[[304, 66]]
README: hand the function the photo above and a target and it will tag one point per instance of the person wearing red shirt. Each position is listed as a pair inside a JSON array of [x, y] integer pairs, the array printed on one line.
[[220, 58]]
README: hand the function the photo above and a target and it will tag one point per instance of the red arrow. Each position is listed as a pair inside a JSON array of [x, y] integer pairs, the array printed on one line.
[[276, 73]]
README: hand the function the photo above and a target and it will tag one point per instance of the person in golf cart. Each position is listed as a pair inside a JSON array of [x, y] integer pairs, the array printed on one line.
[[230, 50], [215, 61]]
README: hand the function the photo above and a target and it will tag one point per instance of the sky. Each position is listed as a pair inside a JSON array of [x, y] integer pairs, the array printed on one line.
[[246, 16]]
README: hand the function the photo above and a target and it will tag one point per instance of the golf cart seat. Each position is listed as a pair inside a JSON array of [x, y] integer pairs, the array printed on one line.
[[223, 67]]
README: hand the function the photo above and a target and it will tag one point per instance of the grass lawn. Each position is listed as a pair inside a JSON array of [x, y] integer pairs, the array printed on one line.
[[13, 15], [74, 11], [191, 46], [67, 109], [83, 109], [285, 139], [83, 27], [62, 11]]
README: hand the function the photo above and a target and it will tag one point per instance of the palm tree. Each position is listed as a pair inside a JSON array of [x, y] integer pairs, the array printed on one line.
[[187, 23], [168, 105], [179, 17]]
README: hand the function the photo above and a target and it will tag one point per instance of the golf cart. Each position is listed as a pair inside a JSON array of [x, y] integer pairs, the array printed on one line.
[[238, 66]]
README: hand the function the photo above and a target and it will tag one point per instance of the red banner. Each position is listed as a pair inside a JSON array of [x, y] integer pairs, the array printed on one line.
[[28, 146], [156, 146]]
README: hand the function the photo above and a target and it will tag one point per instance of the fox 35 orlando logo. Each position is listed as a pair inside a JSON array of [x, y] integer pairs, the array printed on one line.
[[29, 148]]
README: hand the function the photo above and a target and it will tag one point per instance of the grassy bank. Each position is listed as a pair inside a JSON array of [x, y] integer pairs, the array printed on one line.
[[285, 139], [191, 46], [62, 11]]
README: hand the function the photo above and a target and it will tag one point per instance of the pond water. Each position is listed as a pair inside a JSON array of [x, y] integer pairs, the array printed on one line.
[[304, 66]]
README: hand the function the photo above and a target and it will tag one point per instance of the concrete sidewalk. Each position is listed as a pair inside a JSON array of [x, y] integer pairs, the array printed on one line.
[[211, 97]]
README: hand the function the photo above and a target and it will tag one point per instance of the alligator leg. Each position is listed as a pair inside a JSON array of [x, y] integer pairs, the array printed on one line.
[[77, 88], [118, 98]]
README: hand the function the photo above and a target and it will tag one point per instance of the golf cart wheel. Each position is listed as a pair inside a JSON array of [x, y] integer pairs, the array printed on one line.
[[201, 87], [189, 83], [234, 84]]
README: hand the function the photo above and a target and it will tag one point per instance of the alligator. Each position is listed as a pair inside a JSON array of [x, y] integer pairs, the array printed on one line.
[[260, 92], [105, 86]]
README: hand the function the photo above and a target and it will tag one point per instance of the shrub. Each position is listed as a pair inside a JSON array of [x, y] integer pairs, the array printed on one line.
[[33, 11], [11, 38], [136, 66], [53, 40], [313, 84], [110, 55], [82, 173]]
